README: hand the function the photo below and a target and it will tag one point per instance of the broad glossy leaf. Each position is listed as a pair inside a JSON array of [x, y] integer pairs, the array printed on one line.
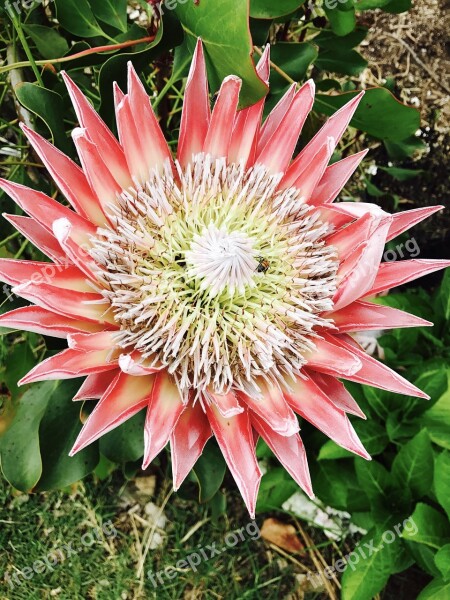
[[331, 482], [125, 443], [112, 12], [432, 529], [49, 42], [442, 560], [19, 361], [372, 563], [370, 4], [328, 39], [437, 589], [259, 29], [268, 9], [413, 465], [49, 106], [424, 557], [58, 431], [19, 446], [341, 16], [294, 59], [341, 60], [76, 16], [209, 471], [444, 294], [437, 422], [331, 451], [227, 42], [276, 487], [397, 6], [404, 148], [380, 114], [374, 479], [442, 480], [372, 435], [402, 174]]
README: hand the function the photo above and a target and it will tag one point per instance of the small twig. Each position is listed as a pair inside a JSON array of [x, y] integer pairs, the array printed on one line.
[[140, 569], [64, 59]]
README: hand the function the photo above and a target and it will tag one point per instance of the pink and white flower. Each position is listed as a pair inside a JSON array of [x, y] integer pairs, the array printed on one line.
[[218, 290]]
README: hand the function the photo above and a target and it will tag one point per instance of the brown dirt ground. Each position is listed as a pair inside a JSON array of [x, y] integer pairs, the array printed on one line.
[[412, 48]]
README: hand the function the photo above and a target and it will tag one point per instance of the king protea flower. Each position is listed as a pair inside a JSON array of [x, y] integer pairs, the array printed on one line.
[[220, 290]]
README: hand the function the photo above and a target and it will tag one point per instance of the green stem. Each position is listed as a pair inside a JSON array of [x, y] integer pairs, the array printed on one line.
[[21, 250], [6, 241], [25, 45], [170, 82]]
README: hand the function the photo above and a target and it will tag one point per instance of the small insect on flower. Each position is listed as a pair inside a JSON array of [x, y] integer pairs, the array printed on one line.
[[263, 264]]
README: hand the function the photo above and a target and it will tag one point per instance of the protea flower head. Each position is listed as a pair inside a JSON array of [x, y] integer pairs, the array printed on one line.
[[220, 290]]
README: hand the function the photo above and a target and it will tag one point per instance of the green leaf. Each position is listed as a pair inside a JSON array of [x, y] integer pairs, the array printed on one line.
[[380, 114], [438, 589], [342, 18], [328, 39], [398, 6], [377, 556], [49, 106], [370, 4], [294, 59], [19, 361], [399, 150], [210, 470], [267, 9], [372, 435], [444, 294], [341, 60], [331, 482], [77, 17], [437, 421], [413, 465], [227, 42], [373, 478], [276, 487], [58, 431], [112, 12], [442, 560], [442, 480], [336, 52], [19, 446], [330, 451], [125, 443], [48, 41], [259, 29], [433, 529], [402, 174]]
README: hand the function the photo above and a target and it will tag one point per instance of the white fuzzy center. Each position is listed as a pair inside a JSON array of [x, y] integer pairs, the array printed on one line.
[[222, 260]]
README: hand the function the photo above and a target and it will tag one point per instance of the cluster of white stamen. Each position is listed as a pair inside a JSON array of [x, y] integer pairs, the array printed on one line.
[[217, 275], [221, 259]]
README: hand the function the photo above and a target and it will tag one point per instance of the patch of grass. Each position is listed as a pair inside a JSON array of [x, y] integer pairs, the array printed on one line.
[[98, 531]]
